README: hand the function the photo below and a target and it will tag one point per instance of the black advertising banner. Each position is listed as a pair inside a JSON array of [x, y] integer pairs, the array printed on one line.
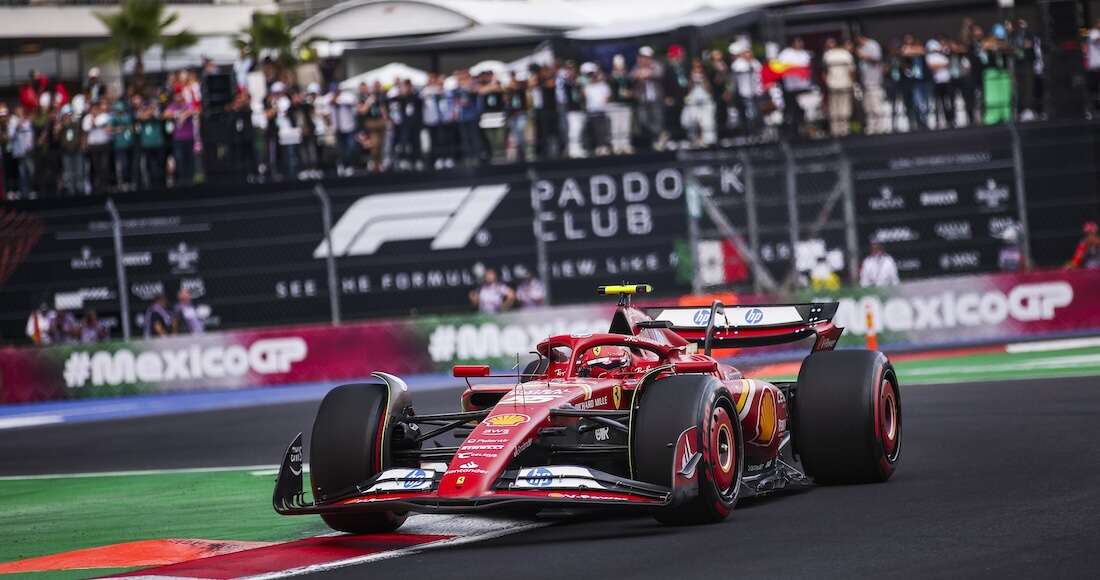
[[612, 226], [939, 202], [399, 251]]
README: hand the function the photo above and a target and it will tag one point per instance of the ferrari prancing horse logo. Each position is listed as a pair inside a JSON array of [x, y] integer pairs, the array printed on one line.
[[617, 395]]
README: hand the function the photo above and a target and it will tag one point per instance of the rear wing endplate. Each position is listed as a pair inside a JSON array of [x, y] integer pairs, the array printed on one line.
[[719, 326]]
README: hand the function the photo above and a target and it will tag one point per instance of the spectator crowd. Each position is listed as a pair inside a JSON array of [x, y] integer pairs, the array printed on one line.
[[55, 141]]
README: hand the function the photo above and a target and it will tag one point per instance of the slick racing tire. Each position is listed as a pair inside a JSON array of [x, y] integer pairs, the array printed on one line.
[[346, 449], [702, 408], [847, 414]]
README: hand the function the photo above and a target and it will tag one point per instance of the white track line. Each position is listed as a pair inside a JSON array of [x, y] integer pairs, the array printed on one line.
[[498, 528], [1049, 345], [1053, 363], [30, 421], [273, 469]]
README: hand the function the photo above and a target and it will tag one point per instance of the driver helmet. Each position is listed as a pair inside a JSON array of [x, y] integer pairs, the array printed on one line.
[[601, 359]]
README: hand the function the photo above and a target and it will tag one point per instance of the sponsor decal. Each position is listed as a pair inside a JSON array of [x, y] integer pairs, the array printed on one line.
[[991, 194], [701, 317], [603, 434], [939, 198], [596, 351], [124, 366], [754, 316], [461, 480], [509, 420], [469, 465], [522, 447], [954, 230], [86, 260], [468, 455], [895, 234], [416, 479], [483, 447], [998, 225], [961, 260], [296, 460], [183, 258], [495, 431], [767, 418], [617, 395], [450, 218], [137, 259], [75, 300], [592, 403], [540, 477], [532, 396], [886, 200], [585, 496]]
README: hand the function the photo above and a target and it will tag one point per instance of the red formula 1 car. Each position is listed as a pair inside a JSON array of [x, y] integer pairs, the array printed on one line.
[[642, 416]]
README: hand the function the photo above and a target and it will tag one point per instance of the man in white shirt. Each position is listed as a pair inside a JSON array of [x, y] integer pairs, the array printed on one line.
[[874, 95], [879, 269], [492, 296], [746, 71], [795, 60], [530, 293], [839, 80]]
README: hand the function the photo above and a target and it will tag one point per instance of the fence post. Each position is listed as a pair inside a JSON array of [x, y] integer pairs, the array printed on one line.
[[120, 269], [752, 224], [694, 199], [330, 256], [1021, 193], [792, 210], [851, 233], [540, 242]]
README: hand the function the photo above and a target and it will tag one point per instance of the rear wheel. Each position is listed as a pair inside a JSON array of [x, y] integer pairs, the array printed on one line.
[[686, 436], [347, 447], [848, 417]]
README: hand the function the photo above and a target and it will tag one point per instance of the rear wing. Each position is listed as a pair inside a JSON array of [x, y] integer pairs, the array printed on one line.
[[720, 326]]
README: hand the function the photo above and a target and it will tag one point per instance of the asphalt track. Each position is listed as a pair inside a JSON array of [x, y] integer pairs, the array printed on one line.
[[997, 480]]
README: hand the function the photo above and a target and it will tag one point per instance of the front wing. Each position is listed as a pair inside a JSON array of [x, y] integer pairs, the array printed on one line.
[[410, 489]]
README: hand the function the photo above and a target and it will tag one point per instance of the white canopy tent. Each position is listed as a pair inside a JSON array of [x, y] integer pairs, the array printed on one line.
[[387, 75]]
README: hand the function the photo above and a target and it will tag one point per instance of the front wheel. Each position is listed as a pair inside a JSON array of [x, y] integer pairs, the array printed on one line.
[[348, 446], [686, 436], [848, 417]]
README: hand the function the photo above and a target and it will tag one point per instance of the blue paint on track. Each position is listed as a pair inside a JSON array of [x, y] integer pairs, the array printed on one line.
[[72, 411]]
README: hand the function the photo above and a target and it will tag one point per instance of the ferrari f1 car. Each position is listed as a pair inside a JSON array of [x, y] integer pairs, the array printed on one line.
[[642, 416]]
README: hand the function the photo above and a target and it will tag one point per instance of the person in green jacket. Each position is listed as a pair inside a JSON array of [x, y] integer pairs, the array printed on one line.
[[122, 137]]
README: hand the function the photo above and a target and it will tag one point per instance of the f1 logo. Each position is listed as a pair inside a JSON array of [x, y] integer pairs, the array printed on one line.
[[448, 217]]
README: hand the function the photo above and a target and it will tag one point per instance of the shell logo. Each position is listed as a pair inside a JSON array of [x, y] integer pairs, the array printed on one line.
[[766, 421], [510, 420]]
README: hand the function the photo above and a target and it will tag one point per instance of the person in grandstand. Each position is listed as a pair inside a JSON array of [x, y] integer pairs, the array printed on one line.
[[91, 330], [158, 320], [185, 317], [39, 324], [878, 269], [530, 292], [1087, 255], [492, 295], [1010, 258]]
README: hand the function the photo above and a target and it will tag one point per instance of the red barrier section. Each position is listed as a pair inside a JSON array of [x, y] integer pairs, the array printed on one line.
[[279, 557]]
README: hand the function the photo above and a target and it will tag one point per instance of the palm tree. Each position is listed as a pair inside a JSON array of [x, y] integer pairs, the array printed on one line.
[[271, 34], [136, 27]]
